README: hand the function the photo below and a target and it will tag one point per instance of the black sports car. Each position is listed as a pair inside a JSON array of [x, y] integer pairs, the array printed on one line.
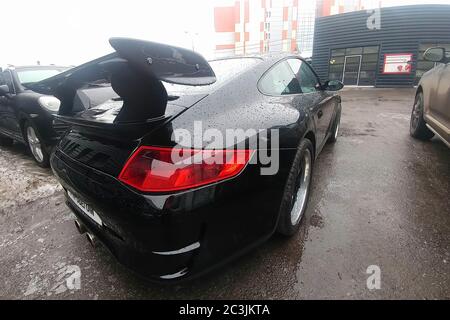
[[148, 170], [27, 116]]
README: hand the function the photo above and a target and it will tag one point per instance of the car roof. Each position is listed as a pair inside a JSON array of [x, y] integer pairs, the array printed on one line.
[[269, 57]]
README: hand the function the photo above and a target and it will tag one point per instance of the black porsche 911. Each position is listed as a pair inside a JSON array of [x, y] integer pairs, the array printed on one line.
[[27, 116], [137, 169]]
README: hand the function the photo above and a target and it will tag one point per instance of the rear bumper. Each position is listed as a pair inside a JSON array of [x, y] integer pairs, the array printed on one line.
[[169, 265], [176, 236]]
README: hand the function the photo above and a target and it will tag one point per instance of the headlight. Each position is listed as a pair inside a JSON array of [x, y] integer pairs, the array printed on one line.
[[50, 103]]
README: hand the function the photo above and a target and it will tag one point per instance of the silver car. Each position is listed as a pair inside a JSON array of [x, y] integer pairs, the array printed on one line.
[[431, 113]]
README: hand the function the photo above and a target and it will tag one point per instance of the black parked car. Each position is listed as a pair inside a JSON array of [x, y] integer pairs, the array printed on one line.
[[27, 116], [170, 219]]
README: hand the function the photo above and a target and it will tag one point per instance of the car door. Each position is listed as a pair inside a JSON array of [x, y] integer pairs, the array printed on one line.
[[2, 104], [440, 105], [10, 122], [322, 106]]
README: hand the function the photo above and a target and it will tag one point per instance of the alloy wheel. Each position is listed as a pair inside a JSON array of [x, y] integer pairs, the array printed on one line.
[[336, 131], [35, 144], [417, 113], [302, 187]]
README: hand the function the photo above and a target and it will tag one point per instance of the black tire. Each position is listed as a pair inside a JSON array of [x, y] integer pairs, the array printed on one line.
[[286, 225], [335, 128], [6, 142], [418, 128], [42, 158]]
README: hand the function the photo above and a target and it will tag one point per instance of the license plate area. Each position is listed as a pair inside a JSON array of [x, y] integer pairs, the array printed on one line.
[[85, 208]]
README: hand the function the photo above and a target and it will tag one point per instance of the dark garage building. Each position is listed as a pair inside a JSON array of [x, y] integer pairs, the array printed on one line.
[[345, 48]]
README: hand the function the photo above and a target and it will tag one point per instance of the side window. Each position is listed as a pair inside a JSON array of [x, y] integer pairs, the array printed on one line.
[[306, 77], [280, 80]]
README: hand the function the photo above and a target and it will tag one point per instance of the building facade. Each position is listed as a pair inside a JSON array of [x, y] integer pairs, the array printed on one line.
[[305, 27], [380, 48], [327, 8], [261, 26]]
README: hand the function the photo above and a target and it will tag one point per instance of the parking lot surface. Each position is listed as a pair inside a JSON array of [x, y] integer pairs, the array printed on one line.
[[379, 198]]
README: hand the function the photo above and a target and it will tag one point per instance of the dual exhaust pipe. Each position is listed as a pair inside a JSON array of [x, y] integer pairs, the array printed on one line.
[[82, 230]]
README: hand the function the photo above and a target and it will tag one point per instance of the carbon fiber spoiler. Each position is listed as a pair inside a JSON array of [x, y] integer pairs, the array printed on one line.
[[135, 72]]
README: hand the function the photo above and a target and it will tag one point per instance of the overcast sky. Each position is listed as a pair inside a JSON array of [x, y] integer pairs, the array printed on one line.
[[71, 32]]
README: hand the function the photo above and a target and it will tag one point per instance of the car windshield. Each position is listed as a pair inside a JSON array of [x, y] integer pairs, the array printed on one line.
[[224, 69], [28, 76]]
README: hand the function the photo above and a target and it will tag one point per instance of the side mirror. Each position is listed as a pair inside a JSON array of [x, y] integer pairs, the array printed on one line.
[[435, 55], [333, 85], [4, 90]]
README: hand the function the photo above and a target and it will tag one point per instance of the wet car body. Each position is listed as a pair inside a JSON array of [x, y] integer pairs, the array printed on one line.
[[182, 234], [20, 106], [431, 112]]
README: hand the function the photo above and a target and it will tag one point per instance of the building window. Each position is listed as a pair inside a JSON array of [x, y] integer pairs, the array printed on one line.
[[354, 66], [338, 52], [353, 51]]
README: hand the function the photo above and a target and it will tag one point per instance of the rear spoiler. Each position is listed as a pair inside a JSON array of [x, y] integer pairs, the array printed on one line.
[[135, 72]]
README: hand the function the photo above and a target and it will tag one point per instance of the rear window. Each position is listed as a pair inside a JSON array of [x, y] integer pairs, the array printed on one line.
[[224, 69]]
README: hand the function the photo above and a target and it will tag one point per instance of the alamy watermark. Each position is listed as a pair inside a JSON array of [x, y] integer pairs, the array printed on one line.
[[236, 146], [374, 279], [374, 20]]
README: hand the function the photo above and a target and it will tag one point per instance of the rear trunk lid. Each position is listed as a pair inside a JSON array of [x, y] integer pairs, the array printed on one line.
[[96, 141], [113, 101]]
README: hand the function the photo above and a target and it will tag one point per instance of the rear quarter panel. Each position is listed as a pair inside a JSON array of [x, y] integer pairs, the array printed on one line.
[[240, 105]]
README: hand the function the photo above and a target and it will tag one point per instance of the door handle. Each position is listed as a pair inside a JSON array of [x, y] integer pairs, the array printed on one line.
[[320, 114]]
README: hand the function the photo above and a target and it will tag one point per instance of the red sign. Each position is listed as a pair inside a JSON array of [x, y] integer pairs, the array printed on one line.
[[397, 63]]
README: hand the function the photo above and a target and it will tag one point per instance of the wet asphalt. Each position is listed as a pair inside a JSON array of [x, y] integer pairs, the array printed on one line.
[[379, 198]]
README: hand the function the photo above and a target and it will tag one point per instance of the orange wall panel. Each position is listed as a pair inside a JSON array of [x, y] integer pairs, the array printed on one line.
[[285, 13], [237, 11], [246, 11], [224, 19], [225, 46], [293, 46], [326, 7]]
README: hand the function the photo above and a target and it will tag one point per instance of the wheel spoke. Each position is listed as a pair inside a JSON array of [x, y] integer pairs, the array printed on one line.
[[35, 144], [302, 186], [417, 113]]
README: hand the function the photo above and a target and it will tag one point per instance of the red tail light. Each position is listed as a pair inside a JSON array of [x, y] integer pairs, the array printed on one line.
[[154, 169]]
